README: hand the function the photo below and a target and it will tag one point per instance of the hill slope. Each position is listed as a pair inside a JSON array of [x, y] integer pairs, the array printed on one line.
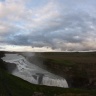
[[14, 86]]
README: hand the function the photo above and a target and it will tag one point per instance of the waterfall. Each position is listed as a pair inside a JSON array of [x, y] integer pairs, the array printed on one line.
[[55, 82], [33, 73]]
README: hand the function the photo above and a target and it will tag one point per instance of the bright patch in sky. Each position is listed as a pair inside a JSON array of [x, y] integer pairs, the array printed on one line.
[[48, 25]]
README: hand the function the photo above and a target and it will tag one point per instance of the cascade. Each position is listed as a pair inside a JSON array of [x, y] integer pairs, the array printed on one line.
[[33, 73]]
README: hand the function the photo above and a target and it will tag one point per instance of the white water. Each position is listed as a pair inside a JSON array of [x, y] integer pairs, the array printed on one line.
[[32, 73]]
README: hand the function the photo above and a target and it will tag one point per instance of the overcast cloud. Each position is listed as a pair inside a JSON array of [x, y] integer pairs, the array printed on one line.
[[48, 25]]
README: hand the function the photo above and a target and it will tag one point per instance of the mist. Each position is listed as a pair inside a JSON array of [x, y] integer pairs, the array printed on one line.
[[33, 57]]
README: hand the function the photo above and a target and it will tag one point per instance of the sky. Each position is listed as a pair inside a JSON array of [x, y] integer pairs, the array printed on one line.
[[47, 25]]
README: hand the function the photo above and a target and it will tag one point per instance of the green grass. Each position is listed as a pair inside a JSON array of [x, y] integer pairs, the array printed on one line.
[[66, 63], [14, 86]]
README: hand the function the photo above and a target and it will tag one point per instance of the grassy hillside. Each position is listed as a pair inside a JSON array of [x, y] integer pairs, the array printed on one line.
[[14, 86]]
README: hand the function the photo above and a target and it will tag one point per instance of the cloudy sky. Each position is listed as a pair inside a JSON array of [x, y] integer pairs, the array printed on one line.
[[48, 25]]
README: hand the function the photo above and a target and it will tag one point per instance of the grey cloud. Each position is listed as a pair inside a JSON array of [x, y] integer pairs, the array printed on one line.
[[72, 28], [68, 28]]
